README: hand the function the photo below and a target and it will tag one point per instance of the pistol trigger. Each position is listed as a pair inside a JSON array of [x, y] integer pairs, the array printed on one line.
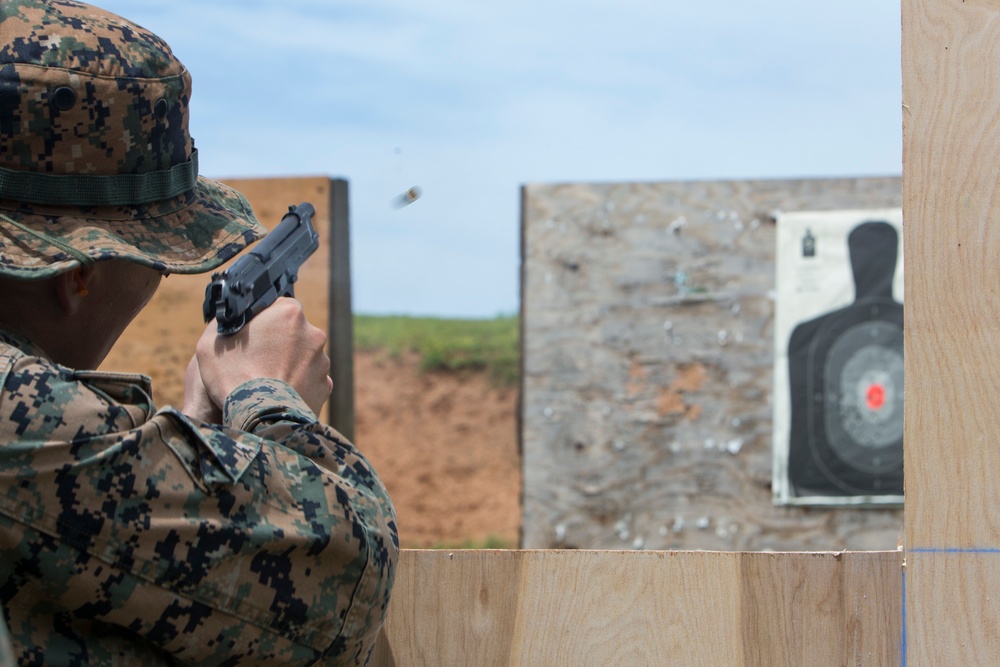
[[229, 327]]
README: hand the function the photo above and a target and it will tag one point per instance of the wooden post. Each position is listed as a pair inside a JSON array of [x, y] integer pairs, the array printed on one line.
[[951, 212], [341, 323]]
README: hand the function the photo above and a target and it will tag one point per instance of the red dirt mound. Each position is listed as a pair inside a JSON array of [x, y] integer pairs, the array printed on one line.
[[445, 444]]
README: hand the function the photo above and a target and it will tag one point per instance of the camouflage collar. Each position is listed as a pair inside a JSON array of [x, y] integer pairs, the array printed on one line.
[[20, 343]]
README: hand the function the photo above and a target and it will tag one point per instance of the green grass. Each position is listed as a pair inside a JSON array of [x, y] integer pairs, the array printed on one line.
[[447, 344]]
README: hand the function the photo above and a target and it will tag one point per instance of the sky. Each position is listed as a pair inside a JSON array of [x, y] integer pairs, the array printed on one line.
[[469, 102]]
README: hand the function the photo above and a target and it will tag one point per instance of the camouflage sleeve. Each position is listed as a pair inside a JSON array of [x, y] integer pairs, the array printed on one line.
[[263, 402], [273, 410], [135, 536]]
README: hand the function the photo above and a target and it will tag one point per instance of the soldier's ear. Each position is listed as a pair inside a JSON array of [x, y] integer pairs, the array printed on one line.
[[72, 287]]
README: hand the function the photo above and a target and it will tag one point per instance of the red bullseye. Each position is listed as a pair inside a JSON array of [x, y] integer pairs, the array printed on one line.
[[875, 397]]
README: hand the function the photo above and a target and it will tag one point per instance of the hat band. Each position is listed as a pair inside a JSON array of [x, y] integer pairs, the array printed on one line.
[[99, 190]]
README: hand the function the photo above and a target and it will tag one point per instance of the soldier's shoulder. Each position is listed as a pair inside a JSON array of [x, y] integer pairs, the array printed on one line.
[[23, 358], [14, 347]]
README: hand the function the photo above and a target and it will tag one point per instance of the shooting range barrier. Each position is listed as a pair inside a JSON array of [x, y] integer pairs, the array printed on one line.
[[544, 608], [934, 602], [648, 343]]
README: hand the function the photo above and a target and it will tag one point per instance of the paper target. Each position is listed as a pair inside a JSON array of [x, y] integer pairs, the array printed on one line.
[[842, 440]]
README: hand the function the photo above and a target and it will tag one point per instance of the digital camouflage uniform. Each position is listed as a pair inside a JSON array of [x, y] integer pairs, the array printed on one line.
[[131, 535], [127, 532]]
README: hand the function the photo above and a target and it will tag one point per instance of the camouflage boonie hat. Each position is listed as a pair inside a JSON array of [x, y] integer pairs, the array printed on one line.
[[95, 157]]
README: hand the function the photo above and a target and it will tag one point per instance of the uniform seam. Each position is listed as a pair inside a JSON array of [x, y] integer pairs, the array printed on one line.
[[346, 629], [92, 75]]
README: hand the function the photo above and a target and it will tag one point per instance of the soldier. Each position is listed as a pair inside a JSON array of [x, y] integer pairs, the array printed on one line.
[[236, 530]]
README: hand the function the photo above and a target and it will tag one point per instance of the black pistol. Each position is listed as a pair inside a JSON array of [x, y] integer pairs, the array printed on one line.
[[267, 271]]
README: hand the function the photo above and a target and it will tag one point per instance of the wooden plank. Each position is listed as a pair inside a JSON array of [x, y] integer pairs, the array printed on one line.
[[951, 66], [579, 608]]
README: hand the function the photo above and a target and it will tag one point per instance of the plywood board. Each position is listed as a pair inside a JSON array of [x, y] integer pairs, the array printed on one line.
[[648, 355], [580, 608], [951, 60]]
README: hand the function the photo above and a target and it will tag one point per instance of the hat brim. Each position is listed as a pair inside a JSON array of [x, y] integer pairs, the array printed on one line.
[[193, 233]]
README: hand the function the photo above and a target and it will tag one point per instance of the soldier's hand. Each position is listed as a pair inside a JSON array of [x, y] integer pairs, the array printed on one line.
[[278, 343], [198, 405]]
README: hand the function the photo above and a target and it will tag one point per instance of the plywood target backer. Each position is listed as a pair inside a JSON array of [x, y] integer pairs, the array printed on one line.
[[838, 406]]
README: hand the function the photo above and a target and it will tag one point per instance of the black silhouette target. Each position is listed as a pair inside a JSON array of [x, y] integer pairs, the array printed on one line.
[[846, 376], [863, 396]]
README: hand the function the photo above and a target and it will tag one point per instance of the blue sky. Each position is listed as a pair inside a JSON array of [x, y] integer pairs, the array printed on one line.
[[468, 102]]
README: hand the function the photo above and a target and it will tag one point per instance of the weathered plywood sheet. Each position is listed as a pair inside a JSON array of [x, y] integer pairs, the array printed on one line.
[[581, 608], [647, 315], [161, 340], [951, 62]]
